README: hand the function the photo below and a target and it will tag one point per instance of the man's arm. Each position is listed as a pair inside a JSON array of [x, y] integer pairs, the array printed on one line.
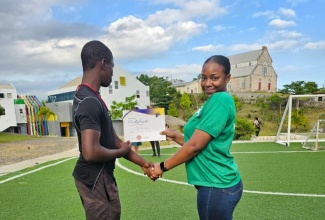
[[93, 151], [135, 158]]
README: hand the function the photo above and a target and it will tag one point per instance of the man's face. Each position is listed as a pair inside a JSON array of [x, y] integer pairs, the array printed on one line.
[[108, 72]]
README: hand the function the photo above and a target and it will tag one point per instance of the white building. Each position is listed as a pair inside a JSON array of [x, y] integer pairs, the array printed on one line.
[[123, 85], [14, 119]]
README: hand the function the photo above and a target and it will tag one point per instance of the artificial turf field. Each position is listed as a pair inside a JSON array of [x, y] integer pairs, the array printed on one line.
[[279, 183]]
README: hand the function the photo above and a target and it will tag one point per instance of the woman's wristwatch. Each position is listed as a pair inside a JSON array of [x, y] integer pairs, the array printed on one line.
[[162, 166]]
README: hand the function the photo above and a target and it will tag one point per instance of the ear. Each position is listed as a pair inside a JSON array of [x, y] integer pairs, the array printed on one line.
[[228, 77], [103, 64]]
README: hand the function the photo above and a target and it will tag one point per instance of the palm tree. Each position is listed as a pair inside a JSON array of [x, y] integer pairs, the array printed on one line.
[[44, 113]]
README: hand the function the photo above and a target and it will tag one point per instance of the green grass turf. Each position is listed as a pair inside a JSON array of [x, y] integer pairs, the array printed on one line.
[[9, 137], [266, 167]]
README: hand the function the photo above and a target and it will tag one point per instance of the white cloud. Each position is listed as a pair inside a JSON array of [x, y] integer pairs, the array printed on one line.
[[235, 48], [208, 48], [281, 23], [219, 28], [204, 8], [315, 45], [184, 72], [165, 17], [288, 34], [131, 38], [283, 44], [269, 14], [287, 12]]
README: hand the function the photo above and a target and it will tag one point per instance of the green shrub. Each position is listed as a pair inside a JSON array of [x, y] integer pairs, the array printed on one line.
[[244, 129]]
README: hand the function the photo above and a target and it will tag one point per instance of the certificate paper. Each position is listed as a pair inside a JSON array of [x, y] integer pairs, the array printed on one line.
[[144, 124]]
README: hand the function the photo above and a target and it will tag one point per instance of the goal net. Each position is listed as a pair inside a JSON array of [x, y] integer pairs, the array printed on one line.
[[316, 137], [287, 131]]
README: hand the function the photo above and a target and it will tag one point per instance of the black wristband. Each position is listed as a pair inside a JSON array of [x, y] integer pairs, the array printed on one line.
[[162, 166]]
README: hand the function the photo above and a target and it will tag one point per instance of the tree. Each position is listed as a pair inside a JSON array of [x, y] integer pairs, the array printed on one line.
[[311, 87], [185, 101], [118, 107], [299, 121], [45, 111], [172, 109], [238, 104], [299, 87], [275, 102], [161, 92], [195, 100], [263, 104], [244, 129]]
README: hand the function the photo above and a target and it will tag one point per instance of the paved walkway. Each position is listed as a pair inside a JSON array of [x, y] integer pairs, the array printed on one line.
[[75, 152]]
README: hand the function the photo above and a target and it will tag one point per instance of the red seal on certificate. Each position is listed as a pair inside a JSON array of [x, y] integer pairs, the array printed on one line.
[[139, 137]]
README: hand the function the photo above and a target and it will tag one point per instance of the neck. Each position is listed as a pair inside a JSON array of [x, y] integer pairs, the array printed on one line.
[[91, 81]]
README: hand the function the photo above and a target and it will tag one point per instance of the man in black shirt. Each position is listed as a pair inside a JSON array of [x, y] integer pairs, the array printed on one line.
[[99, 145]]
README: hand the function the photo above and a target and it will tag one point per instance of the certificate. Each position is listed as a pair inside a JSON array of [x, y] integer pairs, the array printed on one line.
[[144, 124]]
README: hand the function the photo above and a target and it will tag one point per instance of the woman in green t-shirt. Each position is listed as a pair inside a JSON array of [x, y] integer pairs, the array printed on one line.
[[206, 143]]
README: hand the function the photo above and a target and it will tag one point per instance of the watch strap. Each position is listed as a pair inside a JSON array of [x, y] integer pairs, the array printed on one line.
[[163, 167]]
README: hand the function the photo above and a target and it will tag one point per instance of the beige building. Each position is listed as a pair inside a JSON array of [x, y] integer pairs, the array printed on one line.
[[250, 72], [188, 87]]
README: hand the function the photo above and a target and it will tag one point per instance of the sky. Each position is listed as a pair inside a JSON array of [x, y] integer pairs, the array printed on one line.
[[41, 41]]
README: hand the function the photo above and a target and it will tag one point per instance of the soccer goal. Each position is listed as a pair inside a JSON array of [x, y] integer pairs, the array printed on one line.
[[284, 135], [316, 138]]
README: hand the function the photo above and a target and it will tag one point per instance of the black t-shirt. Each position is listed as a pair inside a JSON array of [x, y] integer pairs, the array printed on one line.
[[90, 112]]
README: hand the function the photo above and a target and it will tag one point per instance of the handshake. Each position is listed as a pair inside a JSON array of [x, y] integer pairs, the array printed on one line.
[[154, 171]]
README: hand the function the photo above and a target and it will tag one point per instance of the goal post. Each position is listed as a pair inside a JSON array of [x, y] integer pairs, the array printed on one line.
[[315, 139], [286, 137]]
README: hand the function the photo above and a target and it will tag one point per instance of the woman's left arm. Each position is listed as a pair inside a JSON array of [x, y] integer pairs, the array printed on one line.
[[190, 149]]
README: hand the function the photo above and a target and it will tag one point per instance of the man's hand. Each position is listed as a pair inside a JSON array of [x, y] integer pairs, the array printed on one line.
[[156, 172], [148, 169], [125, 147]]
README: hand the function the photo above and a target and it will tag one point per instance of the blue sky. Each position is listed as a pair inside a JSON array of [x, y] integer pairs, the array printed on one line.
[[41, 40]]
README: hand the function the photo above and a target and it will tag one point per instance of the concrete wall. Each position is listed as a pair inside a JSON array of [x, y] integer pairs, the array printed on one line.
[[7, 102]]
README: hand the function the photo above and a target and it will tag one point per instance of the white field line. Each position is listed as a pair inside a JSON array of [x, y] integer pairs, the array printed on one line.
[[246, 191], [177, 182], [36, 170], [260, 152]]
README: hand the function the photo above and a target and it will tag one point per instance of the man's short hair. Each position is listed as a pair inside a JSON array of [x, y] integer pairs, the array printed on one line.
[[94, 51]]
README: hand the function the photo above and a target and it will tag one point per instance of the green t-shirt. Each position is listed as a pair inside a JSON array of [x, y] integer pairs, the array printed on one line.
[[214, 166]]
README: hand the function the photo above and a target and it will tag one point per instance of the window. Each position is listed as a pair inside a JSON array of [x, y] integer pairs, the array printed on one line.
[[147, 93], [9, 95], [110, 89], [61, 97], [2, 95], [137, 93], [264, 70], [116, 84], [21, 111], [188, 90], [122, 81]]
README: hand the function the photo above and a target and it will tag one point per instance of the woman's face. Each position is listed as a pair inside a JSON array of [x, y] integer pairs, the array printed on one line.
[[213, 79]]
